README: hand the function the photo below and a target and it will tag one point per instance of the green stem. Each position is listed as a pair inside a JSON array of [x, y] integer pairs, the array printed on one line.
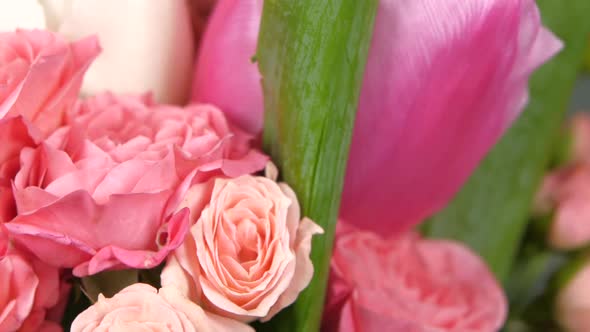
[[312, 56]]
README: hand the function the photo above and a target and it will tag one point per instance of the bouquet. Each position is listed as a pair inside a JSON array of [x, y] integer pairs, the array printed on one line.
[[241, 165]]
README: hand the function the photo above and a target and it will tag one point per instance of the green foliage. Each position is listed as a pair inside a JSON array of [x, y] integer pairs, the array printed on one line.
[[312, 56]]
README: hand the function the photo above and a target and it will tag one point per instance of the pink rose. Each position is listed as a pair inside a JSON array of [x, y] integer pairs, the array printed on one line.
[[102, 192], [247, 256], [567, 191], [141, 307], [572, 309], [409, 284], [41, 74], [15, 134], [3, 241], [29, 290]]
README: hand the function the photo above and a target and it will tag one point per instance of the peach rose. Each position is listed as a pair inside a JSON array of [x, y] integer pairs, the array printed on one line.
[[29, 290], [102, 192], [566, 191], [409, 284], [141, 307], [247, 255], [572, 305], [41, 74]]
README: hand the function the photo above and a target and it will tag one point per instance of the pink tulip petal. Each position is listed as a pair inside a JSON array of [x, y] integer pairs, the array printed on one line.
[[225, 74], [432, 103]]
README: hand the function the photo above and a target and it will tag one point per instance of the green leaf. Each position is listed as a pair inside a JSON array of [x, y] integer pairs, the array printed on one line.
[[312, 56], [587, 59], [531, 279], [490, 212], [108, 283]]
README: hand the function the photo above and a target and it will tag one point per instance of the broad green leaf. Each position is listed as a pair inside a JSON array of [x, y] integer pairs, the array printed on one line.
[[312, 56], [587, 60], [491, 211], [108, 283], [531, 279]]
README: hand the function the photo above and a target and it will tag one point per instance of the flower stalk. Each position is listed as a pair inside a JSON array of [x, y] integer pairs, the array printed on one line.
[[312, 56]]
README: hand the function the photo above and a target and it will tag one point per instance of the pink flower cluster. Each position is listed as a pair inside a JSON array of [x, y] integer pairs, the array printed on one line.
[[123, 182], [111, 182], [431, 105]]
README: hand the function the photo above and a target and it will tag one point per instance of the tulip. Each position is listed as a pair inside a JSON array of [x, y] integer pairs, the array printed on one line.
[[225, 74], [147, 45], [443, 81]]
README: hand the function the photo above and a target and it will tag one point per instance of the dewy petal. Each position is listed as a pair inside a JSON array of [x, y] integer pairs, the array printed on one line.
[[225, 74], [433, 104]]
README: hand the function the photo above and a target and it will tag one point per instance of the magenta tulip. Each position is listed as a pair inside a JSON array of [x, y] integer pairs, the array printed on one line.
[[225, 74], [444, 80]]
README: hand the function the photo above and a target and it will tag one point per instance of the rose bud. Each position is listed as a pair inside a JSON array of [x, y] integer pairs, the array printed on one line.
[[247, 255]]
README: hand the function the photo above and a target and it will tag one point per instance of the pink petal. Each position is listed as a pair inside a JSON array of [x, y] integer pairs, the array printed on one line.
[[433, 104], [54, 77], [3, 240], [94, 237], [225, 74]]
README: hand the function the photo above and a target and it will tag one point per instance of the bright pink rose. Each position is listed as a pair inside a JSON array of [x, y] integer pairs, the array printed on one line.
[[3, 241], [567, 192], [247, 256], [409, 284], [29, 290], [15, 134], [41, 74], [141, 307], [431, 104], [102, 193]]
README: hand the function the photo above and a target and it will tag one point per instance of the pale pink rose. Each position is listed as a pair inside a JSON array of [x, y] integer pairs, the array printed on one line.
[[409, 284], [29, 290], [141, 307], [247, 256], [41, 74], [102, 193], [572, 305], [567, 192]]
